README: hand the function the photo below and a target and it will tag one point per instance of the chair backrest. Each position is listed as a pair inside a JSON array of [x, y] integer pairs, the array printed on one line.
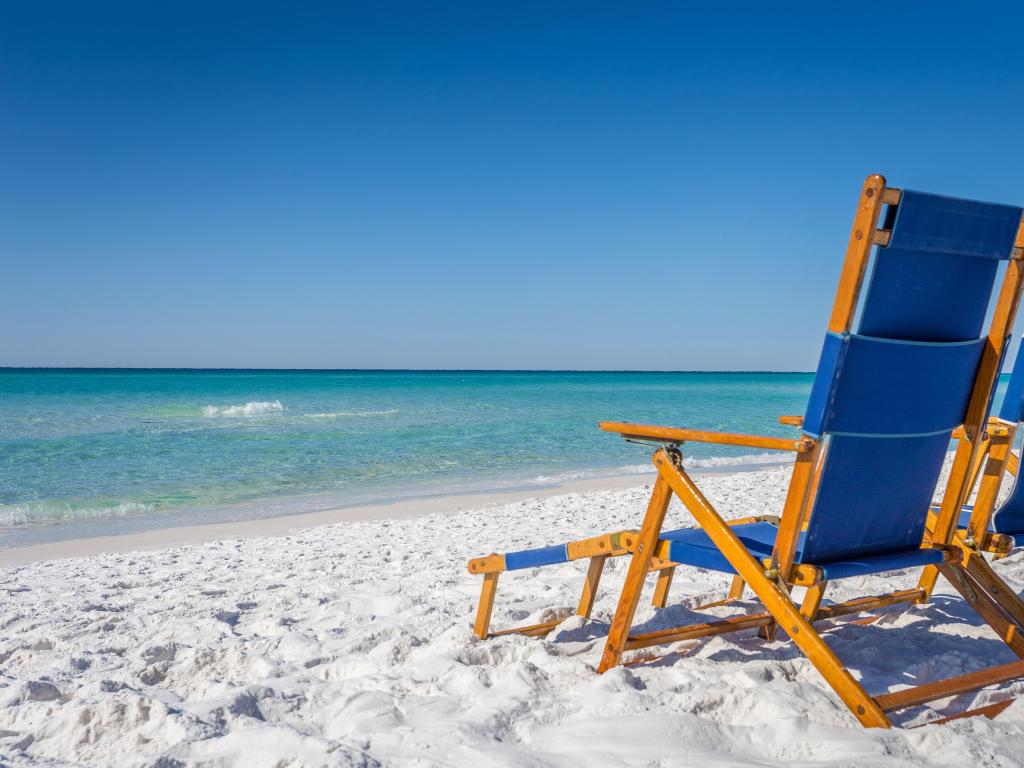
[[888, 395], [1012, 409], [1009, 517]]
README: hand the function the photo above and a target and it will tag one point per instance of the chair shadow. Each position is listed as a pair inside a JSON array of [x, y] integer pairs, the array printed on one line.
[[910, 654]]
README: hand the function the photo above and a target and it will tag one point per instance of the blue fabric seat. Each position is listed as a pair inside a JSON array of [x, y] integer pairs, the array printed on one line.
[[693, 547]]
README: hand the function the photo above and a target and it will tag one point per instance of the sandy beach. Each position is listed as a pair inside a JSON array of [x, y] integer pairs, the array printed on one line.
[[350, 644]]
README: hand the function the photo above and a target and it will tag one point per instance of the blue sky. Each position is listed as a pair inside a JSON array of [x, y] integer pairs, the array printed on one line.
[[471, 185]]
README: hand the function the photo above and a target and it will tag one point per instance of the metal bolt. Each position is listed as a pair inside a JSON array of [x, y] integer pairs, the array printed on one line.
[[860, 709], [858, 235], [869, 193]]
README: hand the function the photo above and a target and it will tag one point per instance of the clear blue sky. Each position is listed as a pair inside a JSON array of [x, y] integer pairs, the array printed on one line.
[[471, 185]]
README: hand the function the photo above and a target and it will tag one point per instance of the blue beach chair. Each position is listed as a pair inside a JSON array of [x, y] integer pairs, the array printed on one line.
[[984, 525], [883, 407]]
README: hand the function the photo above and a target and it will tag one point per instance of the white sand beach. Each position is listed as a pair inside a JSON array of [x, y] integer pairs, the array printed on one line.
[[350, 644]]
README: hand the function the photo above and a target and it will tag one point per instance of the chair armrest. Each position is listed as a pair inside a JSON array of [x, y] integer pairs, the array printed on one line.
[[792, 421], [678, 435]]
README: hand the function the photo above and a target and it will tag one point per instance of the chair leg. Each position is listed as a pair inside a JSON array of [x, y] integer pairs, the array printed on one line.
[[662, 587], [737, 587], [927, 582], [590, 585], [812, 600], [483, 612], [639, 565]]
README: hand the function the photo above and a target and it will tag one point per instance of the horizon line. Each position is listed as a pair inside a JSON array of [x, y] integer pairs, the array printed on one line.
[[191, 369]]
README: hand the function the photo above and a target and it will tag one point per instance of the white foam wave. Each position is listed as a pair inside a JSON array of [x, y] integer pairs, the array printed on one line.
[[252, 408], [43, 512], [349, 414], [730, 461]]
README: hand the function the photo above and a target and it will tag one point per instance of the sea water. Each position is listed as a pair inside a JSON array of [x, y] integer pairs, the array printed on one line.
[[95, 452]]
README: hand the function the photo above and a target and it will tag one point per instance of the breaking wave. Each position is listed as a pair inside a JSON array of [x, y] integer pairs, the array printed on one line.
[[349, 414], [49, 512], [252, 408]]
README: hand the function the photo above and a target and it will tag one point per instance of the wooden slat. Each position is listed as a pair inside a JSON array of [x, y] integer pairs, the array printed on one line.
[[597, 545], [694, 631], [533, 630], [594, 571], [941, 689], [868, 603], [488, 564], [662, 587], [988, 489], [483, 612], [812, 600], [682, 435], [736, 587], [989, 711], [793, 512], [858, 251]]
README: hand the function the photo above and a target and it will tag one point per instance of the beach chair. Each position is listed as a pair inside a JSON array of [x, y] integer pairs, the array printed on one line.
[[984, 525], [598, 549], [884, 403]]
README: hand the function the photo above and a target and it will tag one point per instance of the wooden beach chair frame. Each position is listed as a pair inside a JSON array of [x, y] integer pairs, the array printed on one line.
[[772, 579]]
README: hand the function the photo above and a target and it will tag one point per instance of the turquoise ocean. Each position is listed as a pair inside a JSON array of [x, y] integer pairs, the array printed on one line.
[[95, 452]]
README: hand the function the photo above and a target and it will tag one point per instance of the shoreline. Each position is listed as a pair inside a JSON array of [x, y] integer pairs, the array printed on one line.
[[283, 525]]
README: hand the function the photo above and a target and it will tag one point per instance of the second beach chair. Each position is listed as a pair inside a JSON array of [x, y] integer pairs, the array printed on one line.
[[987, 525]]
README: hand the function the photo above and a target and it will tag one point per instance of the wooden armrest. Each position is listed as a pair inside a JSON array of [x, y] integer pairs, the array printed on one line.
[[792, 421], [678, 435]]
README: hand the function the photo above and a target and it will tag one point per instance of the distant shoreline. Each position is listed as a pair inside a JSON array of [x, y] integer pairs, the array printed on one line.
[[281, 525], [127, 369]]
